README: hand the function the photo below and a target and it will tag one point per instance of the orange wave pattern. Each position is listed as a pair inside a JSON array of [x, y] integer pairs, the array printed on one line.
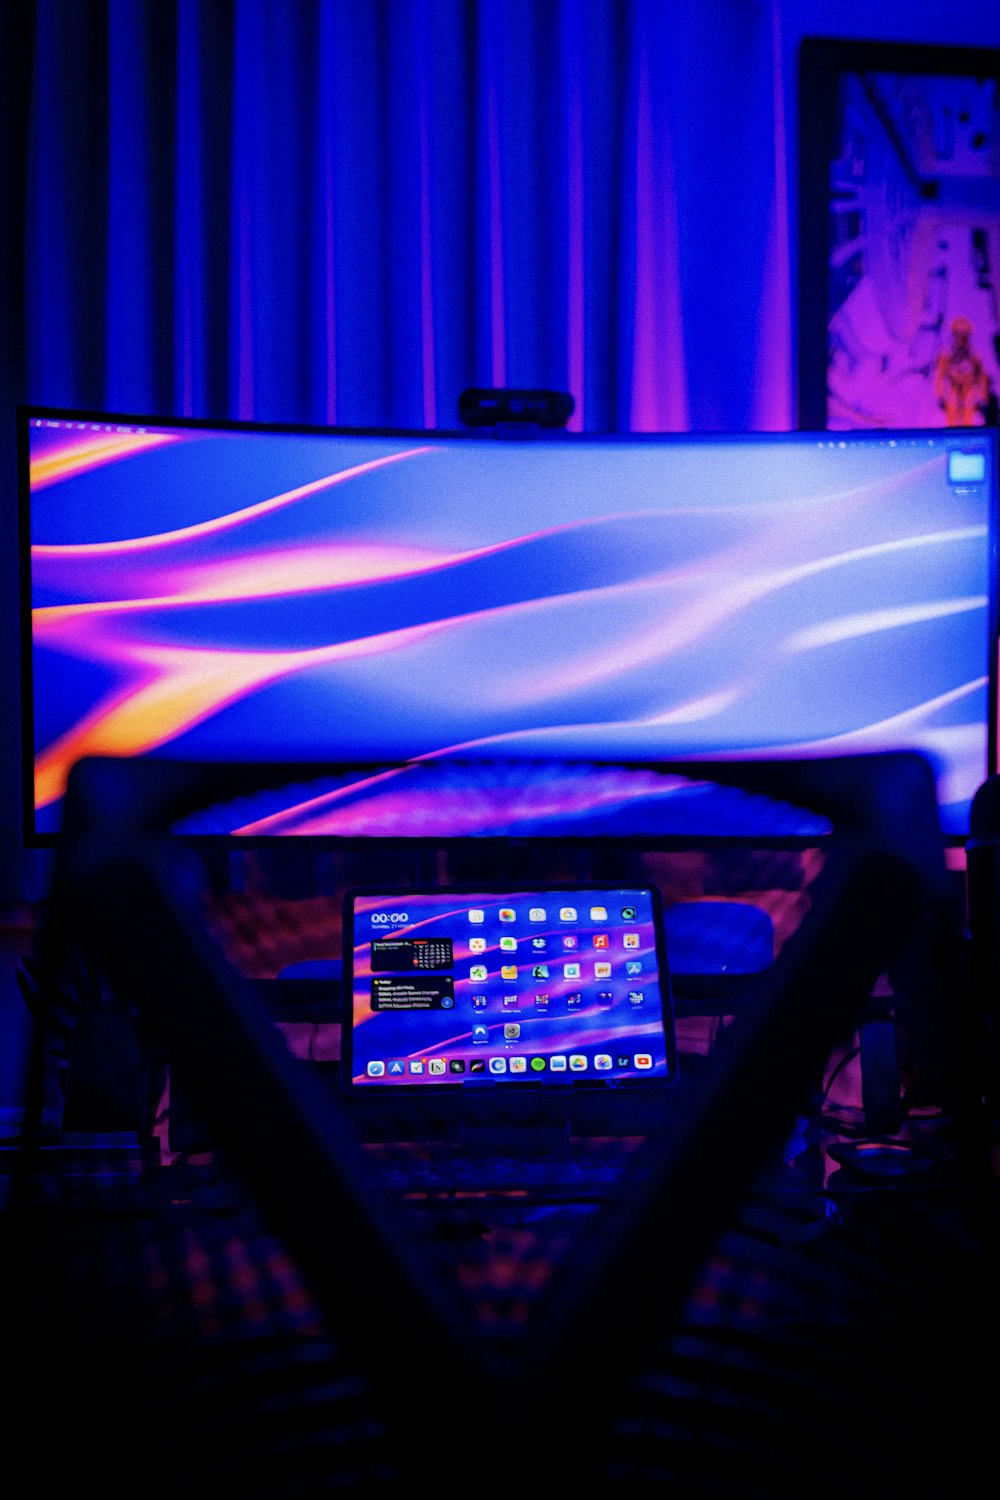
[[92, 452], [170, 691]]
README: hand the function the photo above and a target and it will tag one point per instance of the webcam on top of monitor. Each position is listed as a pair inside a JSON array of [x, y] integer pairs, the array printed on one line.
[[494, 408]]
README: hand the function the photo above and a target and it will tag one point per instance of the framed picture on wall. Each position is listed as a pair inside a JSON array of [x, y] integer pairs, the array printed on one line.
[[899, 277]]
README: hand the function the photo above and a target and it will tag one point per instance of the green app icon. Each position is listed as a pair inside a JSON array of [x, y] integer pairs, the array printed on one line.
[[538, 1064]]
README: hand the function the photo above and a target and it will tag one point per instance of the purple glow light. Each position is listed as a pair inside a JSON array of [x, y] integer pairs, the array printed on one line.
[[498, 344], [772, 385], [659, 381], [329, 238], [576, 309], [426, 267]]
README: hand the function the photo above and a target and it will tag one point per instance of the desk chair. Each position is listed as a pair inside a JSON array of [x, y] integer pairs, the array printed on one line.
[[590, 1388]]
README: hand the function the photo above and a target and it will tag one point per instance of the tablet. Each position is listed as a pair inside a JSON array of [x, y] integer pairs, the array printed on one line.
[[550, 988]]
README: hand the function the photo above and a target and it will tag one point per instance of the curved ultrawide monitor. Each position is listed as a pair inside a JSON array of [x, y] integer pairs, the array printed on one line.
[[234, 592]]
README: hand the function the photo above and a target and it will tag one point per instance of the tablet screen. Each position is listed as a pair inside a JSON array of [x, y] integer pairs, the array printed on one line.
[[552, 986]]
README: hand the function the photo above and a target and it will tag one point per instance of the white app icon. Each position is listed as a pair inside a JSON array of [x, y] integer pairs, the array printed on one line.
[[602, 971], [507, 914], [498, 1065], [598, 913], [518, 1064], [643, 1060], [376, 1069], [567, 913], [557, 1064], [571, 971], [577, 1062], [602, 1062], [478, 971], [436, 1065], [416, 1065], [630, 939], [536, 914], [508, 945], [477, 945], [477, 915]]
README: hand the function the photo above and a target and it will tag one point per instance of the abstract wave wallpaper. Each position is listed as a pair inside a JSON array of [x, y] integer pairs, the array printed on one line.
[[250, 594]]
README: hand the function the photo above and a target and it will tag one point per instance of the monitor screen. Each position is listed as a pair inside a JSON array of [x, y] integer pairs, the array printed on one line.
[[233, 592]]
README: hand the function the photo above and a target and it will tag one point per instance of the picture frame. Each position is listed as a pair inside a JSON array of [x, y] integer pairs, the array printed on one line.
[[899, 243]]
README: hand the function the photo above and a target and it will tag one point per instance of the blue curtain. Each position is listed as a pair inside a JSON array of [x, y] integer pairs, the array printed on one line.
[[347, 211]]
